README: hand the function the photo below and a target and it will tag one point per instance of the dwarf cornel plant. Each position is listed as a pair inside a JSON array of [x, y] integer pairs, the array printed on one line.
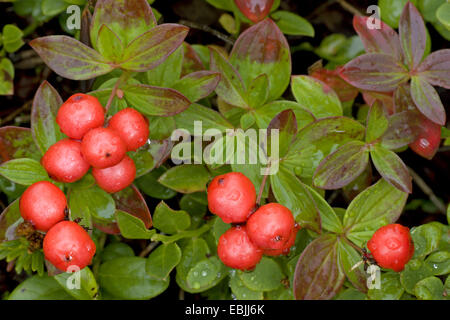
[[164, 229]]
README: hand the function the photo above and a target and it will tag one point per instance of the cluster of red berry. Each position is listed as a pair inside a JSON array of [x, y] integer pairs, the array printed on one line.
[[65, 243], [270, 230], [88, 144]]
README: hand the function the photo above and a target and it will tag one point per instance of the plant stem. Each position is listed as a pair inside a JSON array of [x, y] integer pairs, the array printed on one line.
[[263, 184], [427, 190], [184, 234], [152, 245], [206, 28], [347, 6], [123, 77]]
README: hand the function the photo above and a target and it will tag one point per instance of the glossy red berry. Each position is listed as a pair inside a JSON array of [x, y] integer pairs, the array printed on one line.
[[428, 138], [43, 204], [131, 126], [231, 196], [103, 147], [116, 178], [236, 250], [286, 248], [79, 114], [255, 10], [64, 161], [392, 246], [67, 244], [270, 226]]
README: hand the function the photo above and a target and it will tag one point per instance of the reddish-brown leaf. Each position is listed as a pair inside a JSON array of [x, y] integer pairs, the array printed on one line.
[[345, 91], [427, 100], [255, 10], [436, 68], [17, 142]]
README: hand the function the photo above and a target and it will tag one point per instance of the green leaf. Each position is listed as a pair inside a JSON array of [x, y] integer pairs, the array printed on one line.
[[205, 273], [443, 14], [219, 228], [186, 178], [163, 260], [391, 168], [210, 119], [293, 194], [196, 205], [430, 288], [231, 87], [170, 221], [109, 45], [391, 11], [292, 24], [342, 166], [266, 276], [23, 171], [328, 217], [88, 288], [9, 219], [132, 227], [39, 288], [390, 287], [116, 250], [152, 47], [6, 77], [127, 19], [126, 278], [348, 258], [318, 275], [264, 114], [377, 123], [155, 101], [373, 208], [168, 72], [143, 161], [240, 291], [46, 103], [12, 38], [197, 85], [426, 239], [316, 96], [53, 7], [440, 262], [319, 139], [258, 92], [17, 142], [350, 294], [263, 49], [149, 185], [415, 270], [427, 100], [401, 131], [286, 124], [70, 58]]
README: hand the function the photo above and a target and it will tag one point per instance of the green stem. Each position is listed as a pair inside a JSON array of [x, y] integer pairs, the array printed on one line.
[[123, 78], [184, 234]]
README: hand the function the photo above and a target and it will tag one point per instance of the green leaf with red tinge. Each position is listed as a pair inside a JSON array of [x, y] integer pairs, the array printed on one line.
[[231, 87], [155, 101], [197, 85], [373, 208], [286, 124], [258, 91], [382, 40], [70, 58], [344, 90], [126, 18], [153, 47], [9, 220], [436, 68], [342, 166], [17, 142], [316, 96], [377, 123], [348, 258], [262, 48], [191, 59], [318, 275], [401, 131], [391, 168], [290, 191], [375, 72], [427, 100], [46, 103], [264, 114], [413, 35]]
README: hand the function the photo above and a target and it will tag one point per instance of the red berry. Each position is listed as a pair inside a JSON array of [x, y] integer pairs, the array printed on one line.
[[392, 246], [270, 226], [237, 251], [64, 161], [68, 244], [79, 114], [43, 204], [232, 197], [286, 248], [131, 126], [428, 138], [116, 178], [103, 147], [255, 10]]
